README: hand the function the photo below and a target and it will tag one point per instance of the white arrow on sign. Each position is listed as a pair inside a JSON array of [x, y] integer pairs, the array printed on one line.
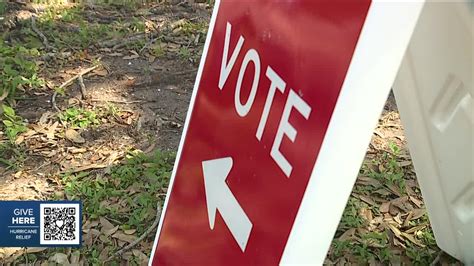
[[220, 197]]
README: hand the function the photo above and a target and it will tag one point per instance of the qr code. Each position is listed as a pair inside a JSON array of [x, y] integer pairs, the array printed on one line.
[[60, 224]]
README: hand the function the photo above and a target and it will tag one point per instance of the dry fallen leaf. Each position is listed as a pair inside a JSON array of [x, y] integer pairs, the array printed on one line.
[[106, 225], [364, 180], [130, 57], [394, 189], [384, 207], [115, 54], [347, 234], [104, 254], [418, 213], [406, 223], [413, 240], [101, 72], [127, 255], [398, 218], [151, 59], [75, 257], [366, 214], [4, 95], [36, 250], [75, 150], [74, 136], [367, 200], [404, 163], [416, 201], [382, 192], [110, 231], [51, 130], [90, 224], [59, 258], [123, 237], [395, 230], [140, 255], [130, 231], [19, 140]]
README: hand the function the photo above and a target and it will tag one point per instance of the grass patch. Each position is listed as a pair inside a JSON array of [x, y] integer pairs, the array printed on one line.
[[11, 155], [79, 117], [372, 245], [374, 238], [388, 169], [419, 256], [69, 28], [127, 194], [12, 123], [190, 28], [350, 217]]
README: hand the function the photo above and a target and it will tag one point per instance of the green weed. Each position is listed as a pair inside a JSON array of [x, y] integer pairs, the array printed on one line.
[[79, 117], [18, 71], [390, 171], [137, 25], [111, 109], [11, 156], [193, 28], [385, 255], [184, 53], [339, 248], [363, 253], [157, 49], [419, 256], [3, 7], [376, 238], [13, 124], [350, 217]]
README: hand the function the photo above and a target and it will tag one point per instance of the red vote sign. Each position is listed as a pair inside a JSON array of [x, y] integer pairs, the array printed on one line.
[[271, 74]]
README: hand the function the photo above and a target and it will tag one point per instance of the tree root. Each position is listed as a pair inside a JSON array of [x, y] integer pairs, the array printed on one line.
[[40, 34], [68, 82]]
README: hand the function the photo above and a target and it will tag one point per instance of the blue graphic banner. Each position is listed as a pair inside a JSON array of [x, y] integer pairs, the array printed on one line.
[[40, 223]]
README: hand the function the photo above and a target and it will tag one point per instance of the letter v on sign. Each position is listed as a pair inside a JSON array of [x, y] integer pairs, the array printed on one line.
[[226, 67]]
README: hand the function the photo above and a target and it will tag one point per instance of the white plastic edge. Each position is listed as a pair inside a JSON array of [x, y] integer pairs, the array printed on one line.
[[374, 66], [186, 125]]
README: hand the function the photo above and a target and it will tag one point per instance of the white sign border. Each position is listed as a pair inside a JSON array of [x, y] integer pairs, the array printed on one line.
[[379, 52]]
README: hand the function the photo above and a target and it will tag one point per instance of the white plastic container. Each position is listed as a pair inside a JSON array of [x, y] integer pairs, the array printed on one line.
[[434, 93]]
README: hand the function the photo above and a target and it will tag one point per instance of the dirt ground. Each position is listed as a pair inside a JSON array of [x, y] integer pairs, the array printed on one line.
[[153, 96], [142, 99]]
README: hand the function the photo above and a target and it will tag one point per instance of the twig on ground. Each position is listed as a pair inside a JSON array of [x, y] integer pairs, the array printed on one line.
[[40, 34], [80, 80], [437, 259], [26, 256], [82, 73], [51, 56], [119, 43], [148, 44], [120, 101], [143, 236], [67, 82], [53, 101], [185, 72]]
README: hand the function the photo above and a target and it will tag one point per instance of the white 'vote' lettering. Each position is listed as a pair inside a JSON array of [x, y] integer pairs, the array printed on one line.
[[293, 101]]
